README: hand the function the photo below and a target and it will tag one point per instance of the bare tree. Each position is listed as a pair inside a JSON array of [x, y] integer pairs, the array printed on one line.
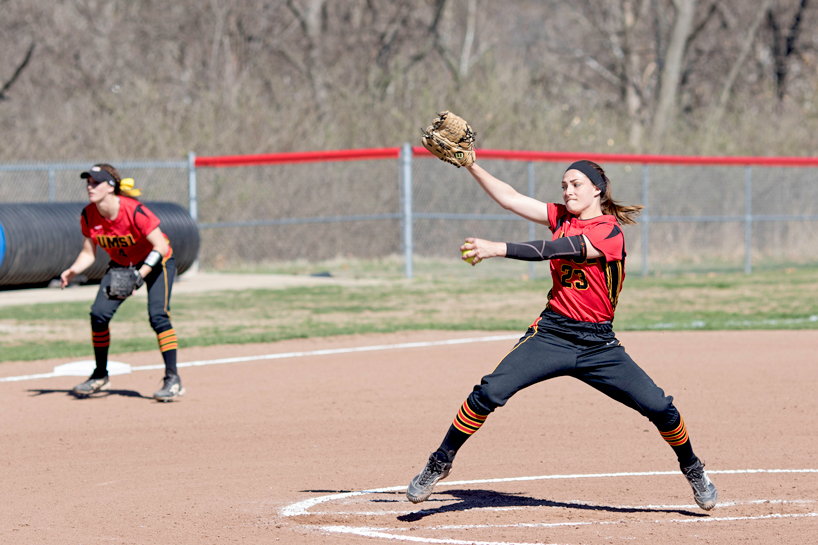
[[310, 18], [673, 67], [727, 87], [468, 41], [215, 76], [633, 76]]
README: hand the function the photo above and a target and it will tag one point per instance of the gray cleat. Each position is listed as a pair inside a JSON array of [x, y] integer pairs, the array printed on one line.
[[422, 486], [91, 386], [171, 389], [704, 491]]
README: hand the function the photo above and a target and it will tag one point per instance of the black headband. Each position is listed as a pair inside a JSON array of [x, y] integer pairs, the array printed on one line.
[[593, 175]]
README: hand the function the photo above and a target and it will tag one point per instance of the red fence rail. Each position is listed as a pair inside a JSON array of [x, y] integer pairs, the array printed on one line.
[[298, 157], [369, 154], [570, 157]]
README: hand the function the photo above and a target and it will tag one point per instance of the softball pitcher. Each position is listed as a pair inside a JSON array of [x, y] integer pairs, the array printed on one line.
[[140, 254], [573, 335]]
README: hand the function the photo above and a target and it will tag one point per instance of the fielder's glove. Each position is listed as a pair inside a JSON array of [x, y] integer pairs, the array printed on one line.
[[124, 281], [451, 139]]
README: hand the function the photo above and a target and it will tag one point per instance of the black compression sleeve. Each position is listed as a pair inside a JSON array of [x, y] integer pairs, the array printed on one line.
[[541, 250]]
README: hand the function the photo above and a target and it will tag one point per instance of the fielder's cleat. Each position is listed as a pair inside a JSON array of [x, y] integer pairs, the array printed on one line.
[[91, 386], [171, 389], [704, 491], [422, 486]]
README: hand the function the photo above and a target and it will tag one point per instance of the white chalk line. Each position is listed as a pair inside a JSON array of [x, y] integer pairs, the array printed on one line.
[[379, 533], [364, 531], [722, 505], [610, 522], [300, 508], [283, 355]]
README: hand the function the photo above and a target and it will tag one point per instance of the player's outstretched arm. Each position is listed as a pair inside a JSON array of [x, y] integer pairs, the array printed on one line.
[[576, 246], [508, 197], [478, 249], [84, 260]]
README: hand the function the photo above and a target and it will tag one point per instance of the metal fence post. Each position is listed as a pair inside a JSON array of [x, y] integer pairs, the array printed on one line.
[[406, 172], [645, 220], [193, 202], [531, 233], [52, 189], [748, 218]]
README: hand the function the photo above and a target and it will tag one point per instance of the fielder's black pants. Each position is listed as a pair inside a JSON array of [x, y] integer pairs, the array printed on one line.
[[159, 283]]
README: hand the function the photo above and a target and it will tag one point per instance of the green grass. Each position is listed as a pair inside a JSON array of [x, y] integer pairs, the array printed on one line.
[[781, 299]]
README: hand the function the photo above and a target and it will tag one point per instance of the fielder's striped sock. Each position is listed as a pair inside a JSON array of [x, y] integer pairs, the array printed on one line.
[[168, 345], [101, 338], [101, 341], [167, 340], [678, 439]]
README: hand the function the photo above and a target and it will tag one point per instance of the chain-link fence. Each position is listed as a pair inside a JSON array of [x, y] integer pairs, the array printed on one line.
[[285, 212], [697, 217], [165, 181], [404, 205]]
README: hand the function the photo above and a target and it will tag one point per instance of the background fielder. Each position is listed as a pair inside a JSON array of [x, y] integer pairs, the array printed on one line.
[[140, 254]]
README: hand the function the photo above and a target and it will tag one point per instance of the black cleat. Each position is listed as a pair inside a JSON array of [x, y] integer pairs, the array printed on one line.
[[422, 486], [171, 389], [704, 491]]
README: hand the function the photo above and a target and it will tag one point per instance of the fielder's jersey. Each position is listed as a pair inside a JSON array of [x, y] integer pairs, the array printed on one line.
[[587, 290], [124, 237]]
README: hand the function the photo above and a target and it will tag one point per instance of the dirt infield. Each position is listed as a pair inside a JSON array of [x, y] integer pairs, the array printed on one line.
[[278, 450]]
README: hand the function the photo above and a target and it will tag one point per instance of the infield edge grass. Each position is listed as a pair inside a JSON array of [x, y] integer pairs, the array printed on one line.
[[763, 300]]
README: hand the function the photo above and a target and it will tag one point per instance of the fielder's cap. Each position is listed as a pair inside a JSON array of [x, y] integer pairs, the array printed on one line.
[[98, 174]]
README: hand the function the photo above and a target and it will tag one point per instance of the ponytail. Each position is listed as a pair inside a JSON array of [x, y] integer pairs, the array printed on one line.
[[124, 187], [624, 214]]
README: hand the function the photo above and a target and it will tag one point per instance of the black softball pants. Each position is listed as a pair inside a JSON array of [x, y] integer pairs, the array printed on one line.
[[558, 346], [158, 283]]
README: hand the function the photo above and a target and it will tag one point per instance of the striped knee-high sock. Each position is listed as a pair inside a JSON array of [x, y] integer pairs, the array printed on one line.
[[168, 346], [466, 422], [101, 341], [679, 441]]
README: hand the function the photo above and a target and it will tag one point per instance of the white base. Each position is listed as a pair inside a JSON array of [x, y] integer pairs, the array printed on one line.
[[84, 368]]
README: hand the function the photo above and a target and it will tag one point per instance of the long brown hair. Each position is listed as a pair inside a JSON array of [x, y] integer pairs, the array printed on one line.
[[625, 214]]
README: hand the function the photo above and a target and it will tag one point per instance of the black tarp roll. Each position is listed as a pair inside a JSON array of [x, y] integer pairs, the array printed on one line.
[[38, 241]]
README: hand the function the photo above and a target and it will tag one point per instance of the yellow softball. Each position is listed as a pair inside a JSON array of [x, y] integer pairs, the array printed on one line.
[[464, 252]]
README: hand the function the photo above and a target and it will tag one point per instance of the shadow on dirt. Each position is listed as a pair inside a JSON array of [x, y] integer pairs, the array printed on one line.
[[476, 499], [98, 395]]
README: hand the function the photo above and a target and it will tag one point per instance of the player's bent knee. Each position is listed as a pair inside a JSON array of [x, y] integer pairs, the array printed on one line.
[[99, 322], [662, 412], [484, 400], [160, 323]]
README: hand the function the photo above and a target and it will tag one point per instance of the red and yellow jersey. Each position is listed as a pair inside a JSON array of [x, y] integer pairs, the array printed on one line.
[[124, 237], [587, 290]]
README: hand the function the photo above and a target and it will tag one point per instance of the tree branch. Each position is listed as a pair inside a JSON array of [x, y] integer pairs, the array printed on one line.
[[16, 74], [706, 19], [471, 23], [792, 37]]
